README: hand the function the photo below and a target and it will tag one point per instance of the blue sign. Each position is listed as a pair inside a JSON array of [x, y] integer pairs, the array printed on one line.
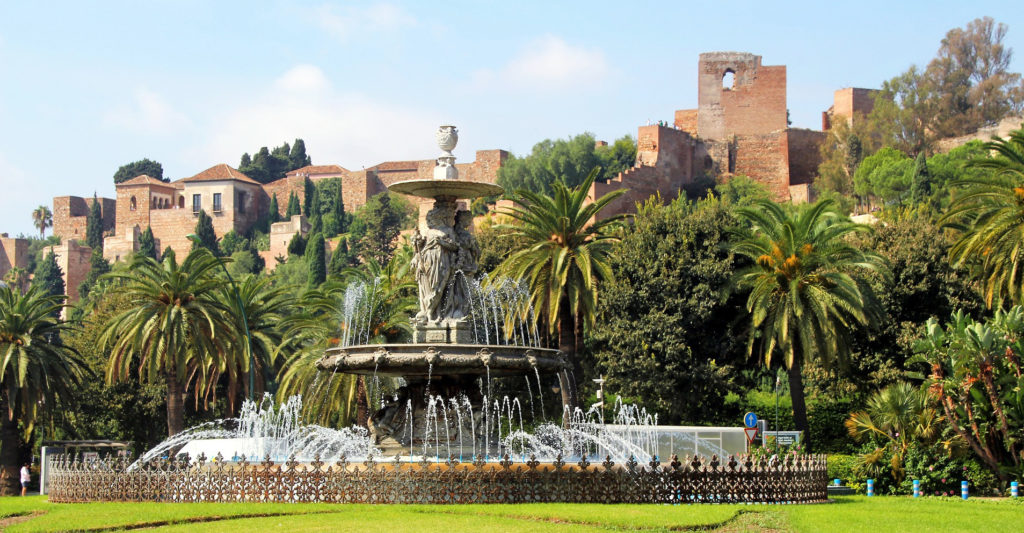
[[750, 420]]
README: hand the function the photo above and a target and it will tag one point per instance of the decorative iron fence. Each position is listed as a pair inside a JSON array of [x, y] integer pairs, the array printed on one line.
[[694, 480]]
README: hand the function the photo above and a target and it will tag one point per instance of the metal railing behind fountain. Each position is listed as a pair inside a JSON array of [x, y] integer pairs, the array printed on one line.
[[744, 479]]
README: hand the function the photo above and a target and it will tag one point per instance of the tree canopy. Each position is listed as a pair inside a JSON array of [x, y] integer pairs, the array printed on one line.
[[568, 161], [137, 168]]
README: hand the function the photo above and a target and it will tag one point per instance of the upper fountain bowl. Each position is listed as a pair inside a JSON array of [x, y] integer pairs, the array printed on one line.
[[446, 188]]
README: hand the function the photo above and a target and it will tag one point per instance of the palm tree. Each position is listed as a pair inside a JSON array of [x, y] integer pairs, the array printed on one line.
[[265, 306], [898, 415], [36, 370], [178, 328], [806, 298], [42, 218], [323, 323], [990, 212], [562, 251]]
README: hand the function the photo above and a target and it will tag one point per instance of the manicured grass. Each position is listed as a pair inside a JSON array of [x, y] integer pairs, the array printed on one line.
[[854, 513], [903, 513]]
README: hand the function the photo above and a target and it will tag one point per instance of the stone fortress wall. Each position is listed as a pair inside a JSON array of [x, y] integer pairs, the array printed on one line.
[[739, 127]]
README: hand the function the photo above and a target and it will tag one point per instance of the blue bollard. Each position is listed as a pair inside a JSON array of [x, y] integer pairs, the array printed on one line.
[[871, 487], [836, 482], [917, 488], [1013, 489], [963, 489]]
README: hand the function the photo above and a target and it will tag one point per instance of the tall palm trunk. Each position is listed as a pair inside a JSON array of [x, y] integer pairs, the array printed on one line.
[[9, 441], [567, 344], [796, 392], [175, 405]]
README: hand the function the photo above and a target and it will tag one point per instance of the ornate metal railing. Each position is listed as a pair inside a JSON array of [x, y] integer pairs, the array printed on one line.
[[693, 480]]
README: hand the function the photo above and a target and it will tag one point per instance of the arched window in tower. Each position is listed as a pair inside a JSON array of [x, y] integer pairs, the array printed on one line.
[[728, 79], [131, 204]]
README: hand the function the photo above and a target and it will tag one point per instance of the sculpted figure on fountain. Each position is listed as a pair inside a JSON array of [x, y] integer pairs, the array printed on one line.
[[436, 255], [458, 301]]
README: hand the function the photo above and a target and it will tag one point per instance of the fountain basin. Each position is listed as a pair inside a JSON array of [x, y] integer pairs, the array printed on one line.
[[441, 188], [424, 360]]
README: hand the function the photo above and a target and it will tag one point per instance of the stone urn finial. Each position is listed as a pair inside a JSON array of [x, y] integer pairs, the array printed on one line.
[[447, 138]]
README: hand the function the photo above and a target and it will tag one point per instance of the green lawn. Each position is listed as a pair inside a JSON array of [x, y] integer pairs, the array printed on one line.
[[856, 513]]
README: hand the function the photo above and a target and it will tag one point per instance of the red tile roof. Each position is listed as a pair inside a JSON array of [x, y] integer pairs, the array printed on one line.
[[390, 166], [220, 172], [318, 169], [143, 179]]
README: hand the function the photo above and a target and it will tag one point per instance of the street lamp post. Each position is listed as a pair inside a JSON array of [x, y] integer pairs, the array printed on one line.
[[245, 320]]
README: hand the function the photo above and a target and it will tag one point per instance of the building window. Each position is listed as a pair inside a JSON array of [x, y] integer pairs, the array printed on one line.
[[181, 202], [197, 203], [131, 204], [240, 206], [216, 202]]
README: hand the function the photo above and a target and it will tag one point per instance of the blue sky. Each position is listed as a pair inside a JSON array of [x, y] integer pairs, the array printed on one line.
[[88, 86]]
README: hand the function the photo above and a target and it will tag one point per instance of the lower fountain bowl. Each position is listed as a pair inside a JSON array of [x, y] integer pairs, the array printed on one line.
[[412, 360]]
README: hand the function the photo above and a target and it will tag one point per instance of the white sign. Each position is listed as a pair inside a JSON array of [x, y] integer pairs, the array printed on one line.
[[785, 438]]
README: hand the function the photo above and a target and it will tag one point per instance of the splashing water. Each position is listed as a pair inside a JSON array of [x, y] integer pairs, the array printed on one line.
[[263, 429]]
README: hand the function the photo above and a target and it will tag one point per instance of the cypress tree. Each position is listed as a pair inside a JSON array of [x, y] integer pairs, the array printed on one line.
[[339, 259], [316, 260], [293, 206], [338, 209], [207, 237], [94, 225], [275, 213], [147, 244], [168, 254], [49, 277], [297, 246], [308, 197]]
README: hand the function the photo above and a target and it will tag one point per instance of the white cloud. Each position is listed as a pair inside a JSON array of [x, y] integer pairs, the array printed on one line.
[[303, 78], [546, 63], [348, 21], [148, 113], [348, 128]]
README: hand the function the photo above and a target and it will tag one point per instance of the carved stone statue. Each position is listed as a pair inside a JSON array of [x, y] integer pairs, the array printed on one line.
[[458, 301], [436, 254]]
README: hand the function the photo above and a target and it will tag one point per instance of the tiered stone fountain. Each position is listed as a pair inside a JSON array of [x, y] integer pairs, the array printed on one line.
[[446, 357]]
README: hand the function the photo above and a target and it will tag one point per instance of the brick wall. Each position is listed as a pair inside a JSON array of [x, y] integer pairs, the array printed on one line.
[[119, 247], [13, 254], [283, 189], [765, 159], [804, 154], [754, 104], [70, 212], [686, 120], [73, 260]]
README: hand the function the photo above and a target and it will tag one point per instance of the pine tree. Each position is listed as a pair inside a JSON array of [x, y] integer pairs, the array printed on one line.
[[147, 244], [97, 267], [339, 259], [49, 277], [922, 184], [246, 161], [297, 246], [207, 236], [310, 195], [94, 225], [293, 206], [297, 156], [316, 260], [275, 214]]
